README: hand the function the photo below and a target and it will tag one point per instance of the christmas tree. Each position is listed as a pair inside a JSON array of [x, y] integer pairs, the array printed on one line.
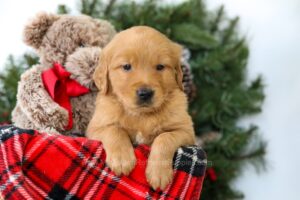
[[218, 59], [9, 81]]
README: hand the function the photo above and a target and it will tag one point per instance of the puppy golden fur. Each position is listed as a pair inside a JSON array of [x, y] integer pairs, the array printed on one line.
[[141, 100]]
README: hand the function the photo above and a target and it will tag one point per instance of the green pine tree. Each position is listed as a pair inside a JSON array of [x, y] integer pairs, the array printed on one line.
[[219, 55], [9, 78]]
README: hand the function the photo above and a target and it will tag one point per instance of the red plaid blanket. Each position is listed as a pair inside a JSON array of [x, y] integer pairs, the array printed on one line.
[[40, 166]]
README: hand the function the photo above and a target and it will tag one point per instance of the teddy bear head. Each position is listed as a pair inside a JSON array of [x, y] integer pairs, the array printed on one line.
[[73, 41]]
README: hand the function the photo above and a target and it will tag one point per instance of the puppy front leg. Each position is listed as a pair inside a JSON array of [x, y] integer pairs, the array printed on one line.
[[120, 155], [159, 171]]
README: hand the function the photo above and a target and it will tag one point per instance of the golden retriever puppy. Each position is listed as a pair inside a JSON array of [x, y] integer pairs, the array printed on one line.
[[141, 101]]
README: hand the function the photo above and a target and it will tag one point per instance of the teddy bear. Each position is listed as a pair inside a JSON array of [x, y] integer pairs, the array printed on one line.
[[58, 95]]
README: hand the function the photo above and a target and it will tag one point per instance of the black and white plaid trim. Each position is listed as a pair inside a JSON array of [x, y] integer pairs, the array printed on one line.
[[191, 160], [9, 131]]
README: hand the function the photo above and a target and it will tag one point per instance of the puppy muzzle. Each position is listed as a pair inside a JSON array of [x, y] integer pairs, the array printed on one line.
[[144, 96]]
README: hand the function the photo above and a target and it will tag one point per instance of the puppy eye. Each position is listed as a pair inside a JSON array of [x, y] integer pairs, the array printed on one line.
[[160, 67], [126, 67]]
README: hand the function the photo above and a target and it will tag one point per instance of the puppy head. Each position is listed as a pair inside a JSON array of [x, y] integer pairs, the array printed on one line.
[[141, 67]]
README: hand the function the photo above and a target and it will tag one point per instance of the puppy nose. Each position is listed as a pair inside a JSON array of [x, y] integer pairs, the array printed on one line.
[[144, 94]]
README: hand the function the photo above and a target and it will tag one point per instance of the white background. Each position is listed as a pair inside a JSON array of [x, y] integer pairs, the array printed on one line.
[[273, 31]]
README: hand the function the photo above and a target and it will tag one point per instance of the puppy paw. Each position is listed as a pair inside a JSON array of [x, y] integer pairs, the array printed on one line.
[[159, 173], [121, 160]]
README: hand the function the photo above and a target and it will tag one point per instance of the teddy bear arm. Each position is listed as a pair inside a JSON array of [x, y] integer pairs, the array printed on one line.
[[20, 120], [36, 103]]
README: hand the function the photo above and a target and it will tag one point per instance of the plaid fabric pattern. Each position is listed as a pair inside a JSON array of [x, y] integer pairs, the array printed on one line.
[[40, 166]]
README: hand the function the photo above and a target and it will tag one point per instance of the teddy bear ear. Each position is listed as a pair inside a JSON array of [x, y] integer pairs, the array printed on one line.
[[36, 28]]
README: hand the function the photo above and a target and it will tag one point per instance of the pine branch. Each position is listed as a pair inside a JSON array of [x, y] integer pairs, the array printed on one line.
[[84, 9], [230, 30], [62, 9], [217, 21], [252, 155], [109, 7], [92, 7]]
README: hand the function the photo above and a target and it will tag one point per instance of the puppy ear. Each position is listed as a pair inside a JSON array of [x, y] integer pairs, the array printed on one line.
[[178, 69], [35, 30], [179, 76], [100, 76]]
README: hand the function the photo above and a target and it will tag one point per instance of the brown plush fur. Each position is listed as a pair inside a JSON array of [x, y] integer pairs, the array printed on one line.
[[119, 120], [75, 42]]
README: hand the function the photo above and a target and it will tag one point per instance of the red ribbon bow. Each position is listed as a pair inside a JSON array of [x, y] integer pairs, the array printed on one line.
[[61, 87]]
